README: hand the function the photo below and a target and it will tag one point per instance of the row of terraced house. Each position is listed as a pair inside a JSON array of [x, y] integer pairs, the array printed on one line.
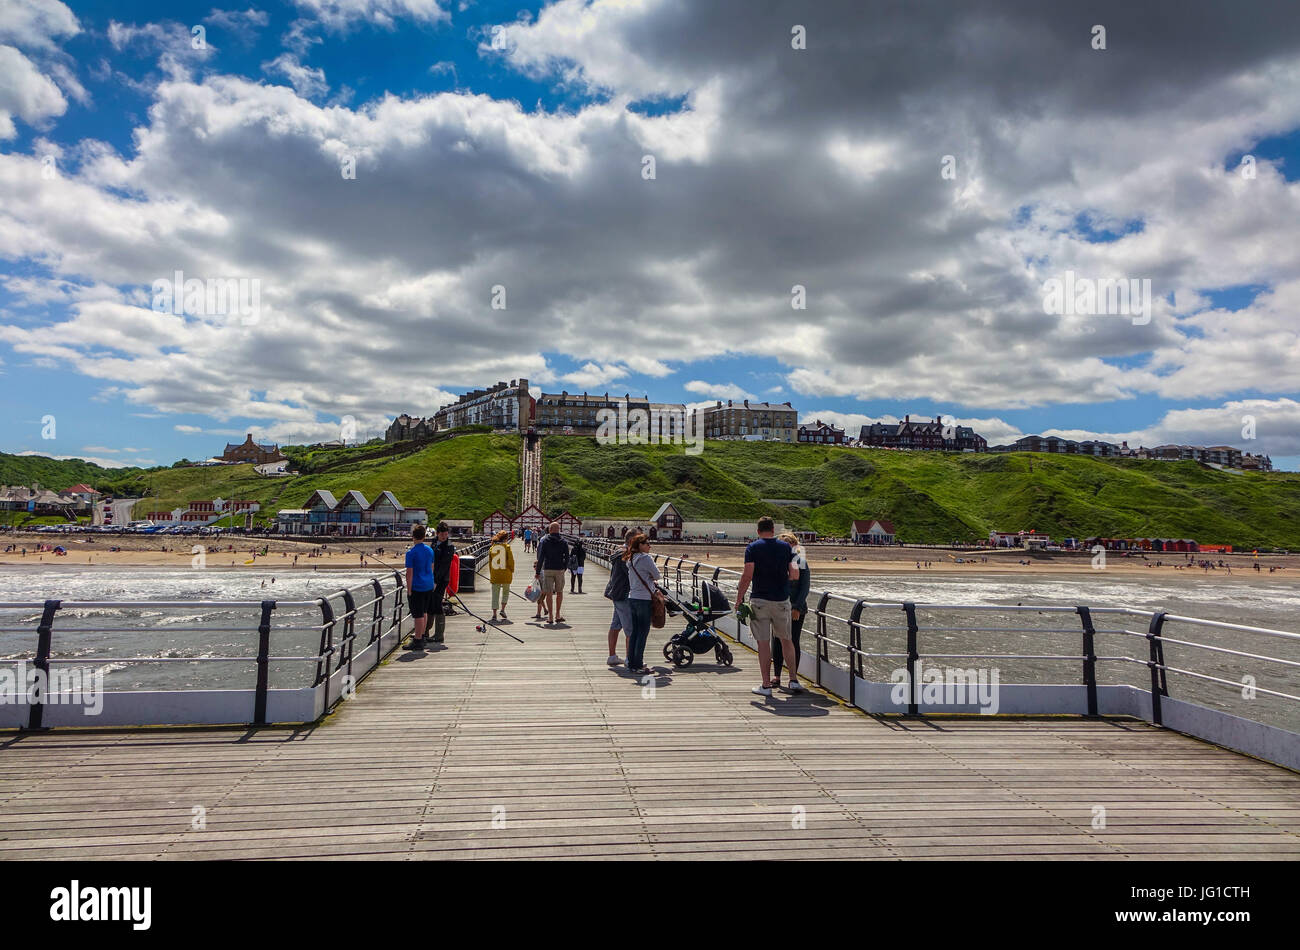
[[510, 407]]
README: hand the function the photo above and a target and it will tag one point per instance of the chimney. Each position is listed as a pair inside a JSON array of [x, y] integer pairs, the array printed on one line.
[[728, 403], [746, 403], [907, 418]]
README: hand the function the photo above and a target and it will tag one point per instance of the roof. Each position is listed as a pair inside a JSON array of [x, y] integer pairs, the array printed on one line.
[[663, 509], [391, 500], [356, 496], [862, 527], [81, 488], [326, 497], [458, 522]]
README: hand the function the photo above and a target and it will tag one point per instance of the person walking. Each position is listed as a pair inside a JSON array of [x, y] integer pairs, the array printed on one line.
[[617, 590], [798, 608], [642, 572], [443, 552], [528, 539], [577, 561], [552, 560], [501, 571], [769, 566], [419, 585]]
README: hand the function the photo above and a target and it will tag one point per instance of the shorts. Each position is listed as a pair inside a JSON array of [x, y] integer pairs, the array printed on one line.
[[576, 570], [553, 582], [622, 619], [770, 620], [421, 602]]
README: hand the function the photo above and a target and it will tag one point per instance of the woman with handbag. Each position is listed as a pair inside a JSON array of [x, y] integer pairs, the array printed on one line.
[[644, 599]]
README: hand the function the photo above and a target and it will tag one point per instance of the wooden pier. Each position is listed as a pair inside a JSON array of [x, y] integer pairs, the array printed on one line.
[[491, 749]]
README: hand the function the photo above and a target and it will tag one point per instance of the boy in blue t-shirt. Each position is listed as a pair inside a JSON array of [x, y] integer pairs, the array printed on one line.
[[419, 584]]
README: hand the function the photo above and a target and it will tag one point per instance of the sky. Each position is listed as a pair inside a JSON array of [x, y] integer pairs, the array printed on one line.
[[856, 206]]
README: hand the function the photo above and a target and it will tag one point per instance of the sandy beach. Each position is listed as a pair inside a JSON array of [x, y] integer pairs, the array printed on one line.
[[284, 555]]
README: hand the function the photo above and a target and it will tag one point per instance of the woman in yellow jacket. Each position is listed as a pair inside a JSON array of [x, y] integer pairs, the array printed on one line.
[[501, 571]]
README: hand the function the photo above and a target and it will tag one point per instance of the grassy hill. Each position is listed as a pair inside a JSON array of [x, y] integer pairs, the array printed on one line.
[[930, 496], [468, 476]]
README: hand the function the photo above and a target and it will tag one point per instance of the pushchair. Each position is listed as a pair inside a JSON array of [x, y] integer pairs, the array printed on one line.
[[699, 635]]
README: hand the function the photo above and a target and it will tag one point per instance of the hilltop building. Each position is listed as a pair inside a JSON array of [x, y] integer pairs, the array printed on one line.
[[922, 435], [759, 421], [250, 451], [822, 432], [1224, 456], [503, 406], [409, 428]]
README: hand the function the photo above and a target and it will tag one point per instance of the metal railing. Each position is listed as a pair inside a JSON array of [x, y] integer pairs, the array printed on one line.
[[864, 638], [358, 626]]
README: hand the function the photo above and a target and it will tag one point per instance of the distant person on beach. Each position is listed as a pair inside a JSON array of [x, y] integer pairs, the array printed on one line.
[[577, 563], [419, 585], [552, 561], [618, 590], [770, 567], [798, 608], [501, 571], [443, 552]]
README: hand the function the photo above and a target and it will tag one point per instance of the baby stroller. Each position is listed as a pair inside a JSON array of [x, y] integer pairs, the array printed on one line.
[[699, 634]]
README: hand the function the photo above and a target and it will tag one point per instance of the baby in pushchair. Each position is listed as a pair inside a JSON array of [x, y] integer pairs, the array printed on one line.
[[699, 635]]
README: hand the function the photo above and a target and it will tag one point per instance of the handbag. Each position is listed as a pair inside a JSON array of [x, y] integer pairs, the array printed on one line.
[[658, 607]]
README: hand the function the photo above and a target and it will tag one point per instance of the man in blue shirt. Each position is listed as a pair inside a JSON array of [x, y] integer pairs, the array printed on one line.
[[770, 567], [419, 584]]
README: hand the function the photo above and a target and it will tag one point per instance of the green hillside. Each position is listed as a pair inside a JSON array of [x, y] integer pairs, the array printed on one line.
[[55, 474], [930, 496], [469, 476]]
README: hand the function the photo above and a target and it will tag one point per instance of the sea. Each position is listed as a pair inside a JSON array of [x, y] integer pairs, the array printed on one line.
[[123, 643]]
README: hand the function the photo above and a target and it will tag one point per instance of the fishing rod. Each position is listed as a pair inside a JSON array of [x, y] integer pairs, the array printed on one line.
[[485, 623]]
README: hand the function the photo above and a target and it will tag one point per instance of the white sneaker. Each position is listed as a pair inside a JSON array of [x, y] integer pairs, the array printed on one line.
[[762, 690], [795, 686], [613, 661]]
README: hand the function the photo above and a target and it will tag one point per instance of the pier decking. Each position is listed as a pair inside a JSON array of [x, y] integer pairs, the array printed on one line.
[[492, 749]]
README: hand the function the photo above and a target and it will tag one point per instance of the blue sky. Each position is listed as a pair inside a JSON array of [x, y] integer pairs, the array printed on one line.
[[522, 167]]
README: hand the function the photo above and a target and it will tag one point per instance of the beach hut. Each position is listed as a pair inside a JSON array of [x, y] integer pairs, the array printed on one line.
[[873, 532], [495, 522], [531, 517], [569, 525]]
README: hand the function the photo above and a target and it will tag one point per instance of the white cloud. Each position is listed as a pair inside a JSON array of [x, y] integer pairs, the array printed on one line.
[[25, 92], [375, 292], [341, 14], [37, 24], [309, 82], [718, 390]]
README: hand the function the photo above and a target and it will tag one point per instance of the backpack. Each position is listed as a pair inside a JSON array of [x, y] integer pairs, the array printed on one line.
[[618, 587]]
